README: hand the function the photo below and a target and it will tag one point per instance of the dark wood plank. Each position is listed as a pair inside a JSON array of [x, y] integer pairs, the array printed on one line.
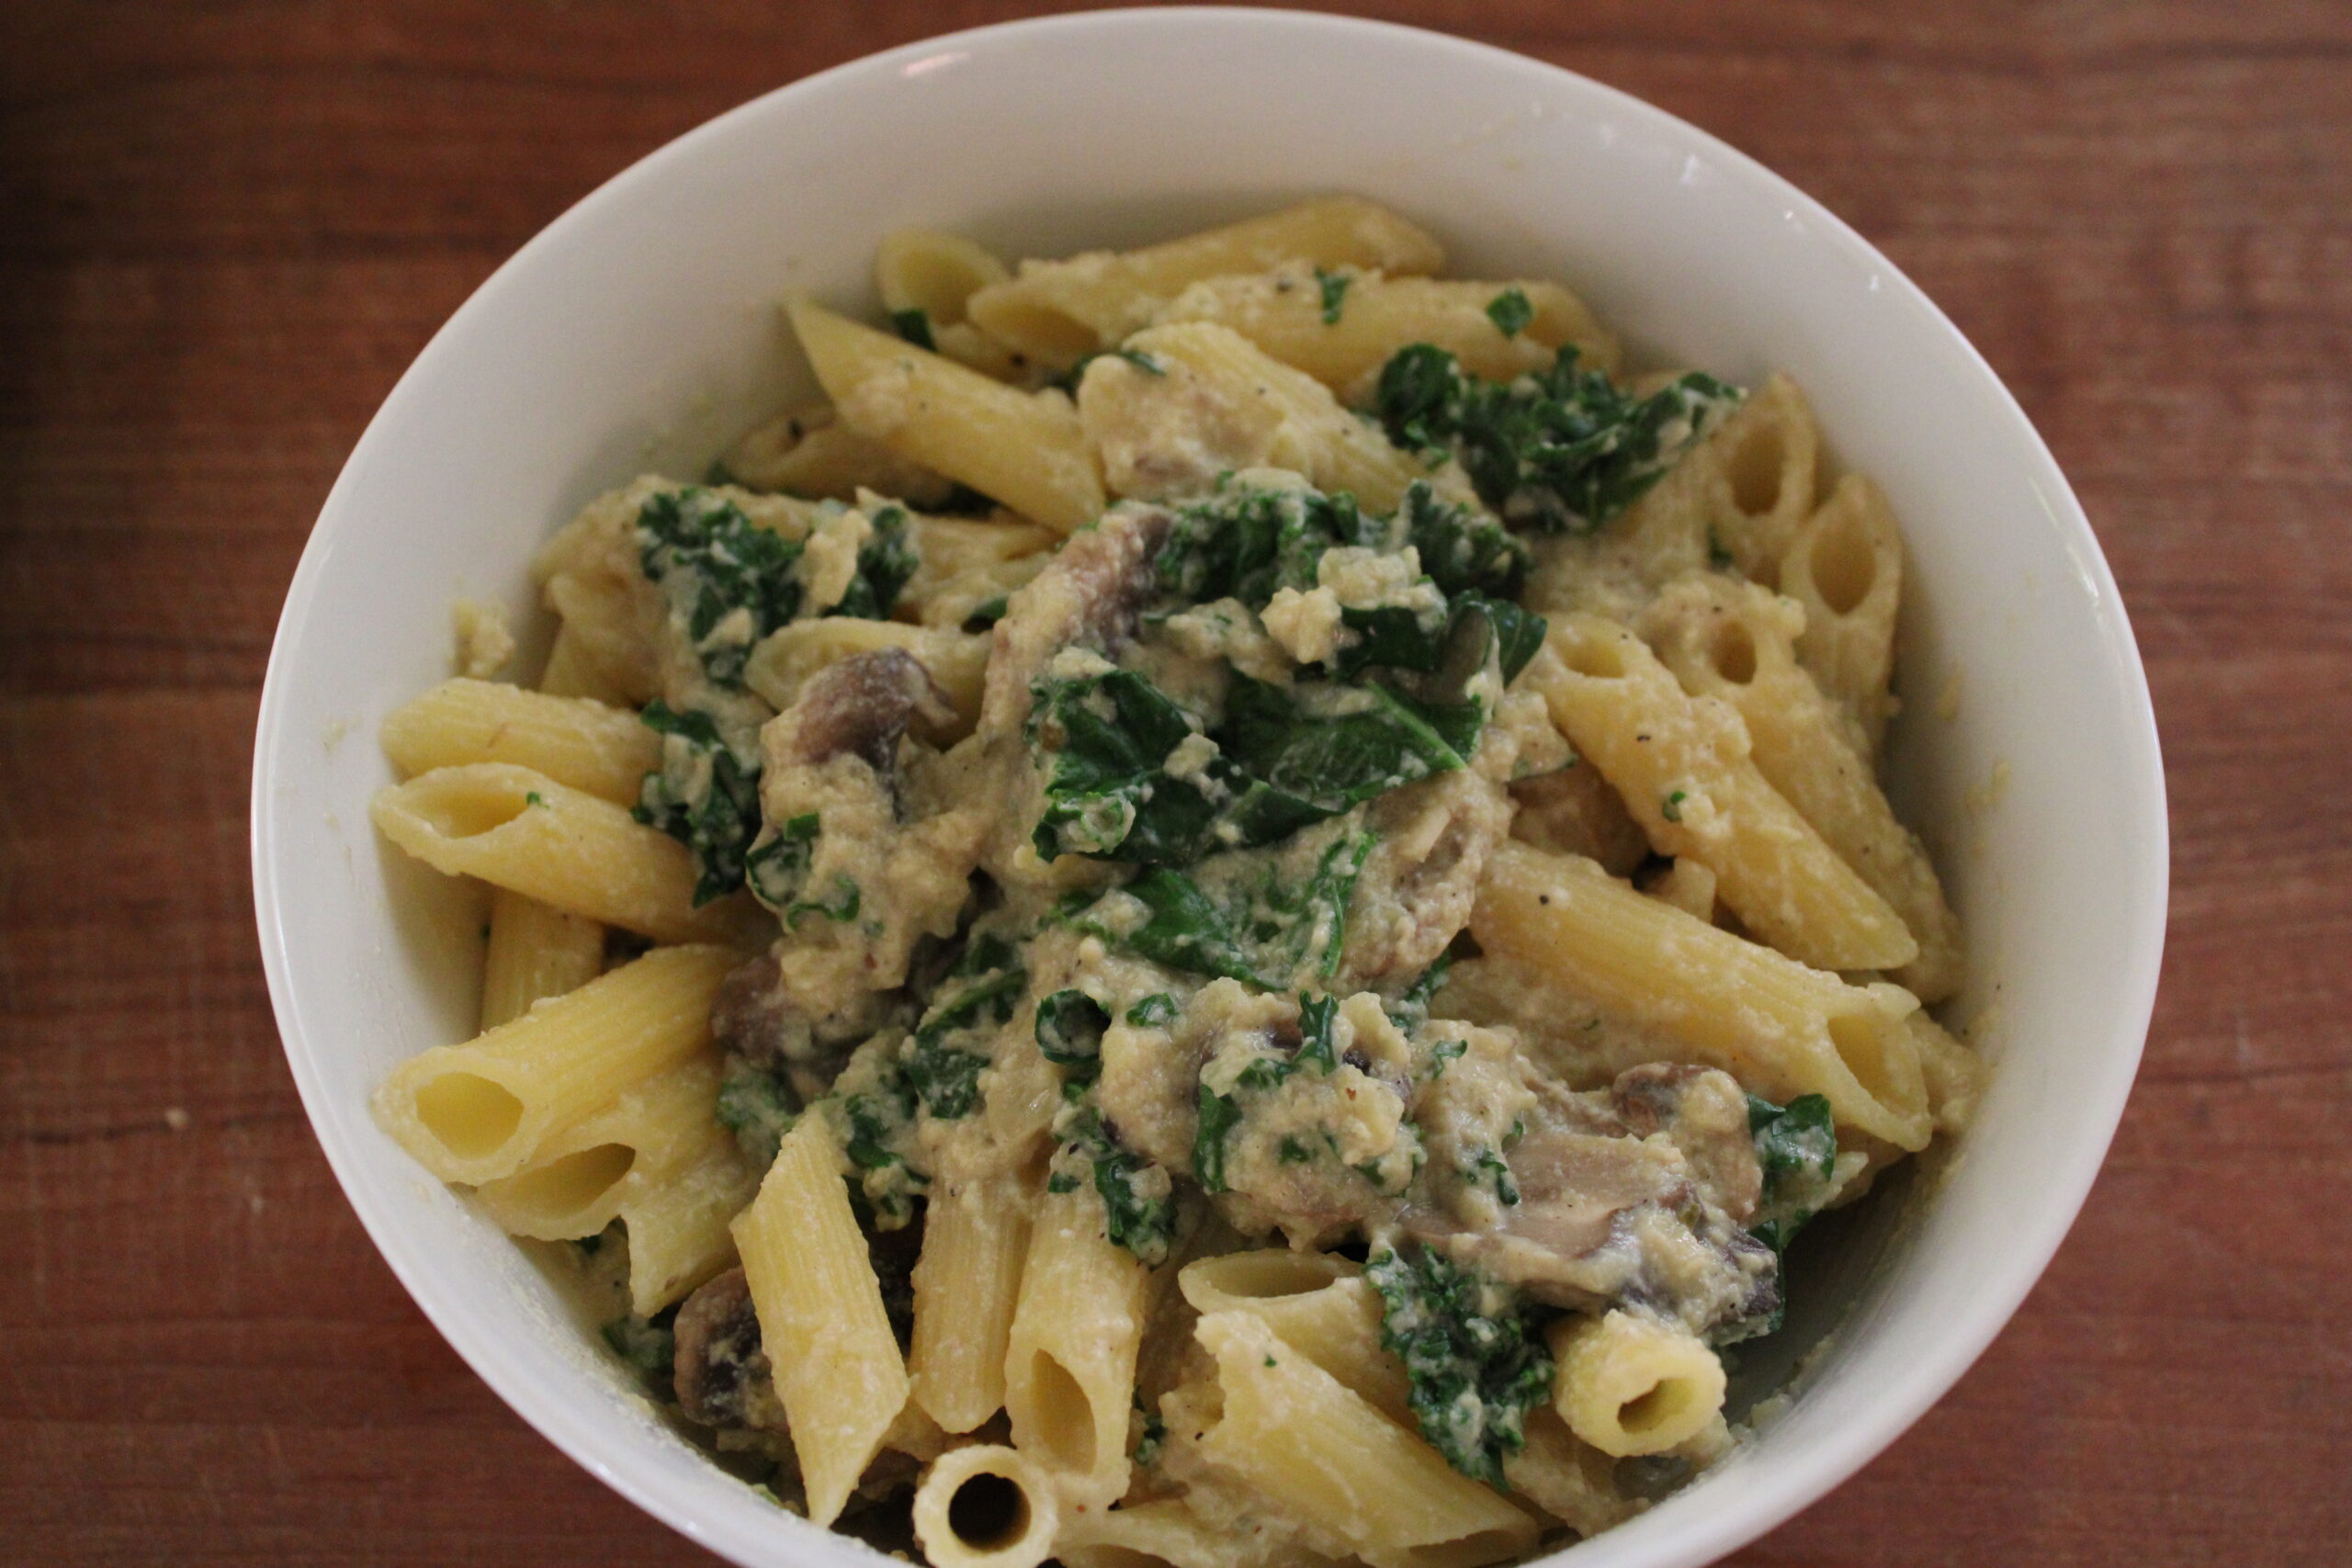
[[230, 226]]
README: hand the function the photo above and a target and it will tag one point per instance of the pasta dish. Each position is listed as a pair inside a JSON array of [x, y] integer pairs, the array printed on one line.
[[1224, 914]]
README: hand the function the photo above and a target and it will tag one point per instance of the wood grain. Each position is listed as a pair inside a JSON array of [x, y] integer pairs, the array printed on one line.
[[228, 226]]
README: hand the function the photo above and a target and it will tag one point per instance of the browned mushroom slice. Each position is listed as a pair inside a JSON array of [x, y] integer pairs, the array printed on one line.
[[721, 1370], [756, 1020], [1422, 875], [1089, 597], [861, 706], [1606, 1219], [1705, 1113]]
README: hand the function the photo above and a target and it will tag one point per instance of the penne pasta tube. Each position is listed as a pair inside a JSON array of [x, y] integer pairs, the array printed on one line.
[[478, 1111], [1781, 1028], [1293, 1431], [1057, 312], [986, 1506], [1845, 567], [1682, 766], [1344, 328], [1736, 642], [1629, 1384], [976, 1238], [588, 745], [1022, 448], [821, 1321], [522, 830], [534, 951], [1207, 393], [1069, 1369]]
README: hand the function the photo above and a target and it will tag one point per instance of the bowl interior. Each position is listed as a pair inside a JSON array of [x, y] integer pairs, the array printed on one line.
[[639, 332]]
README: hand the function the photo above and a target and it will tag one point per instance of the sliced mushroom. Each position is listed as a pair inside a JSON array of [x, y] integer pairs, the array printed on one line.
[[1422, 875], [1089, 597], [721, 1370], [860, 706], [1705, 1113]]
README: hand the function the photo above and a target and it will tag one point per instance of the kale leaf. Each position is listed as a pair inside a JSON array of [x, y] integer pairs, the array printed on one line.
[[734, 582], [885, 564], [1268, 930], [703, 795], [1138, 1197], [1069, 1032], [915, 327], [1461, 551], [1561, 450], [1510, 310], [1333, 289], [950, 1046], [757, 1106], [1474, 1359]]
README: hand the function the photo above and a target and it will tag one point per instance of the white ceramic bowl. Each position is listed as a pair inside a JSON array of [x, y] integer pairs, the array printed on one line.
[[640, 331]]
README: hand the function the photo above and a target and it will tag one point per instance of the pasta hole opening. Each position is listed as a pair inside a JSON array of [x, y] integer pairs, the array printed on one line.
[[1756, 469], [575, 1181], [1862, 1040], [1666, 1403], [1845, 567], [1039, 331], [468, 1114], [988, 1512], [1734, 654], [1269, 1277], [1599, 658], [1065, 1416], [468, 813]]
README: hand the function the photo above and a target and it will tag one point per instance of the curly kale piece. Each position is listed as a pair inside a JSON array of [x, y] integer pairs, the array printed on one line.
[[732, 582], [1475, 1358], [703, 795], [1138, 1197], [1268, 930], [885, 564], [950, 1047], [1562, 450]]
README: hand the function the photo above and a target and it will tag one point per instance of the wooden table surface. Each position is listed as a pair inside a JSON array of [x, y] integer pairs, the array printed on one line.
[[226, 227]]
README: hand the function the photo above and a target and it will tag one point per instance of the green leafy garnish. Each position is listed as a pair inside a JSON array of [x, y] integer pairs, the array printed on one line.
[[1268, 930], [734, 582], [884, 563], [1510, 310], [1138, 1197], [1796, 1145], [915, 327], [703, 795], [1154, 1011], [1671, 806], [777, 868], [759, 1107], [950, 1046], [1069, 1032], [1334, 288], [986, 614], [1561, 450], [1475, 1360]]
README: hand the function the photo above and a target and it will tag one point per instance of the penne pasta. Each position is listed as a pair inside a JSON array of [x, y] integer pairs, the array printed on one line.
[[837, 1366], [577, 741]]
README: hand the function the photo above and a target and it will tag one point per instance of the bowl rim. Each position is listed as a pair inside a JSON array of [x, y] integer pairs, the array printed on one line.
[[1833, 1456]]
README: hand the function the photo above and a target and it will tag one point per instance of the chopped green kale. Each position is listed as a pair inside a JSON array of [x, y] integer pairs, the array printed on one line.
[[1069, 1032], [759, 1107], [703, 795], [915, 327], [732, 582], [1154, 1439], [951, 1045], [1334, 287], [1219, 1113], [1475, 1360], [1272, 931], [876, 1122], [1285, 758], [778, 867], [1510, 310], [1138, 1197], [1463, 550], [986, 614], [885, 564], [1153, 1010], [1561, 450], [649, 1347]]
